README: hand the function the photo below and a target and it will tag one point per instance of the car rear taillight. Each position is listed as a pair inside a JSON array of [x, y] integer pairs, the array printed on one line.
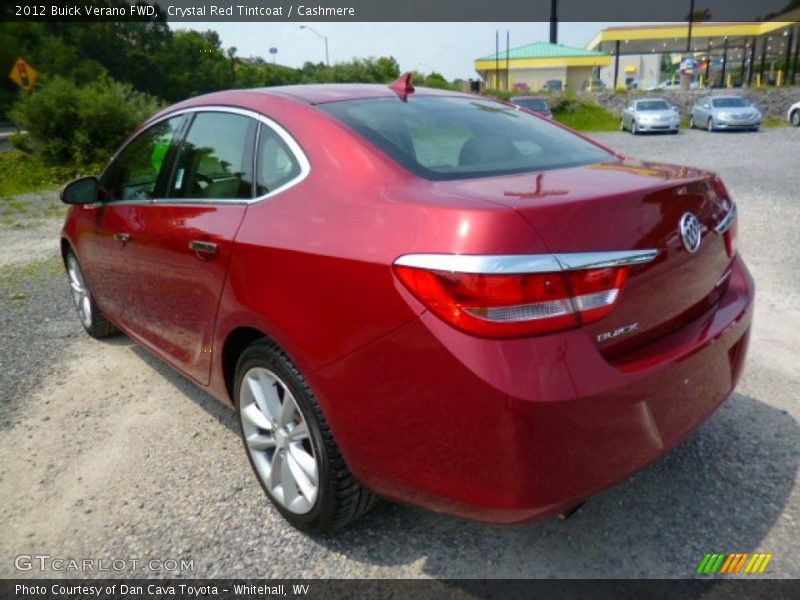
[[500, 305], [730, 237]]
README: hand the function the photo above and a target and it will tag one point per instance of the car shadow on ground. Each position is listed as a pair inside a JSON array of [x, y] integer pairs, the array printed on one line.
[[720, 491]]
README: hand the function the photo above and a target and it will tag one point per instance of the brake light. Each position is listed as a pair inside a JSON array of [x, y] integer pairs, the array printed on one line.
[[515, 305], [730, 237]]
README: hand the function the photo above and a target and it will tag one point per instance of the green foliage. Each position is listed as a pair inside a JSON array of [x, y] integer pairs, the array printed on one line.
[[585, 116], [71, 124], [358, 70], [437, 80], [499, 94], [21, 173]]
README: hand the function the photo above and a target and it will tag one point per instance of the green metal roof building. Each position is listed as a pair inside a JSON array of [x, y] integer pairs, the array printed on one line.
[[538, 63]]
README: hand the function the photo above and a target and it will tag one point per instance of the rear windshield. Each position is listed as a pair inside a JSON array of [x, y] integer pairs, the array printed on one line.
[[730, 102], [652, 105], [458, 138], [536, 105]]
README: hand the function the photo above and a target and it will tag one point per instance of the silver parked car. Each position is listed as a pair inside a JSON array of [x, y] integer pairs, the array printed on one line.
[[725, 112], [650, 114], [793, 114]]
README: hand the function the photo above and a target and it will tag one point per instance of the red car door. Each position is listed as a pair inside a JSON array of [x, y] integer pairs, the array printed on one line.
[[107, 230], [185, 241]]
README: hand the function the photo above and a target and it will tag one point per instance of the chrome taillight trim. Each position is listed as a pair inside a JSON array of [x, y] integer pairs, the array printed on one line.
[[601, 260], [515, 264], [727, 220]]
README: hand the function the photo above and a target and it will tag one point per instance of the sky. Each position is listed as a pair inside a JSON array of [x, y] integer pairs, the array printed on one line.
[[448, 48]]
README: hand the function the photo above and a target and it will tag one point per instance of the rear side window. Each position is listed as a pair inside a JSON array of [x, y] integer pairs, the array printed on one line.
[[276, 165], [215, 160], [137, 173], [536, 105], [456, 138]]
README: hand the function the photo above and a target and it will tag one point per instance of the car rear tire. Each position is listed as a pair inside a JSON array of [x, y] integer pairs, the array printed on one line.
[[290, 445], [621, 125], [691, 122], [91, 317], [795, 119]]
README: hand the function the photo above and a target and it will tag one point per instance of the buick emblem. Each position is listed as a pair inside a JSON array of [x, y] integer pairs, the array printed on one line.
[[690, 232]]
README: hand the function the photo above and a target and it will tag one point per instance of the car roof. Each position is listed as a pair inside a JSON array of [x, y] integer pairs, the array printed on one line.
[[542, 98], [335, 92], [650, 99], [252, 99]]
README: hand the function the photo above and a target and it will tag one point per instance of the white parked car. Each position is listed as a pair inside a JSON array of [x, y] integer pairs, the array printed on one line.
[[793, 114]]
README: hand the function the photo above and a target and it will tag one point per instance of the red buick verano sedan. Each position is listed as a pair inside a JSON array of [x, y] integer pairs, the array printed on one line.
[[420, 295]]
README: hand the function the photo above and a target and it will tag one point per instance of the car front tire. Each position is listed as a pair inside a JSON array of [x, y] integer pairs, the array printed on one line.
[[290, 445], [634, 128], [710, 125], [795, 119], [91, 317]]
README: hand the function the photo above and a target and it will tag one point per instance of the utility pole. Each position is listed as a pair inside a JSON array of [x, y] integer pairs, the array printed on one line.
[[554, 21]]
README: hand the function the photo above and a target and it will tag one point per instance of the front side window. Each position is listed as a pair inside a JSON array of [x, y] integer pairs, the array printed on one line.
[[138, 172], [215, 160], [440, 138]]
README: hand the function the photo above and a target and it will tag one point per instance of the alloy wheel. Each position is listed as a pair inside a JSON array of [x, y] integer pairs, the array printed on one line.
[[278, 440], [80, 291], [710, 125]]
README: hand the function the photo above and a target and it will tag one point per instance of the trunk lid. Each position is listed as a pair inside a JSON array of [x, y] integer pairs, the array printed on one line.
[[626, 205]]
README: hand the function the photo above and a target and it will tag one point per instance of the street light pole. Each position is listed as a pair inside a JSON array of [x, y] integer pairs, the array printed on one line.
[[321, 36]]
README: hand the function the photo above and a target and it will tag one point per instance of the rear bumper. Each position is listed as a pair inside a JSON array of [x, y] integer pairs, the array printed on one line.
[[513, 430]]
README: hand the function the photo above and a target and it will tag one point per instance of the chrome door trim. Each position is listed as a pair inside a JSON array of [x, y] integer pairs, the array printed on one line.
[[294, 148]]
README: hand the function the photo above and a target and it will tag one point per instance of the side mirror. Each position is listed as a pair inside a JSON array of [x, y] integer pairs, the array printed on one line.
[[83, 190]]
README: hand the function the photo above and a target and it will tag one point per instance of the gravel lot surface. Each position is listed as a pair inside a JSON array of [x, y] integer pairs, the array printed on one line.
[[106, 453]]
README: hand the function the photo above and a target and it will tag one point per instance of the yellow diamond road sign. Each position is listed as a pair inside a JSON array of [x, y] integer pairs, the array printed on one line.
[[23, 74]]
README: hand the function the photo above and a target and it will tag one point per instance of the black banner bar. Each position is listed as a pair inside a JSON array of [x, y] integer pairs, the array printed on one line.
[[418, 589], [397, 10]]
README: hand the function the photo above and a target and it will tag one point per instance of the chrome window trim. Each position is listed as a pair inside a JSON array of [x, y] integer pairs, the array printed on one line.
[[291, 143], [514, 264], [727, 220]]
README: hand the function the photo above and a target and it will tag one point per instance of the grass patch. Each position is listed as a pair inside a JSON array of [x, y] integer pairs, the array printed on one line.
[[21, 173], [774, 122], [588, 117]]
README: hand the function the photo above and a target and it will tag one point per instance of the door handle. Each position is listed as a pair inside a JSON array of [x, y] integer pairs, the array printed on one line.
[[122, 238], [201, 247]]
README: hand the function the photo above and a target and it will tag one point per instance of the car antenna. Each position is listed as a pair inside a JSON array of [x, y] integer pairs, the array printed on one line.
[[402, 86]]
